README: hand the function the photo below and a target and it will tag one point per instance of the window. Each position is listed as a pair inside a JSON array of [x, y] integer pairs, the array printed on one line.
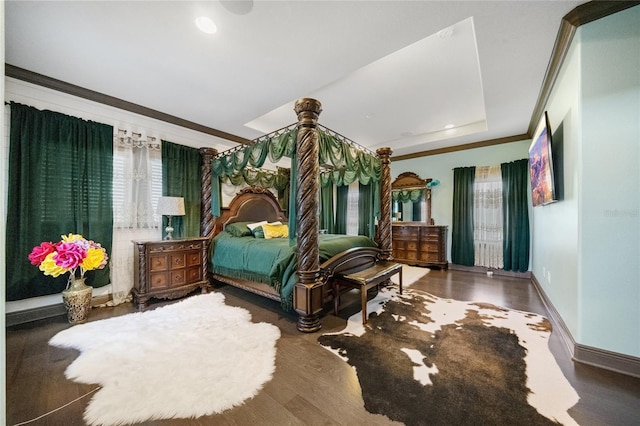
[[353, 198], [137, 182]]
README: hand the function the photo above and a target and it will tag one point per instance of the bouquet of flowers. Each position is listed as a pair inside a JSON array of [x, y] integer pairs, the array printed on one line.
[[73, 253]]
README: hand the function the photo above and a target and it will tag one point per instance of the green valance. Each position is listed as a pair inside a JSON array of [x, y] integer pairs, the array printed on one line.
[[265, 178], [405, 195], [276, 147], [348, 162]]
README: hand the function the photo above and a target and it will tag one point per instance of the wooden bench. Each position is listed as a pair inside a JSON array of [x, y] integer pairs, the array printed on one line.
[[365, 279]]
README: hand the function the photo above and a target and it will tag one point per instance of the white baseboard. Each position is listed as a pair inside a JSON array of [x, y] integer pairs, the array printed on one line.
[[37, 313]]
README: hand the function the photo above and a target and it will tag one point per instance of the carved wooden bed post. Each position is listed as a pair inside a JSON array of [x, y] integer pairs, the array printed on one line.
[[384, 223], [206, 219], [206, 216], [307, 295]]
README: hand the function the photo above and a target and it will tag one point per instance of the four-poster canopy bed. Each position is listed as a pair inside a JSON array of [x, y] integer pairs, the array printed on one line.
[[313, 258]]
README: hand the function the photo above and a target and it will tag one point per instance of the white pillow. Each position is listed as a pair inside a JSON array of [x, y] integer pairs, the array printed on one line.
[[255, 225]]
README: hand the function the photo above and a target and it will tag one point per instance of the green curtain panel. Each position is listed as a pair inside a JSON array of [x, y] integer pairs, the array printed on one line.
[[292, 213], [366, 216], [60, 182], [515, 215], [342, 201], [326, 209], [181, 177], [462, 252], [416, 211], [216, 196]]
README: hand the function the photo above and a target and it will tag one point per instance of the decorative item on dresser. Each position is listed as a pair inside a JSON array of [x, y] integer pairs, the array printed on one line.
[[170, 206], [169, 269], [417, 241]]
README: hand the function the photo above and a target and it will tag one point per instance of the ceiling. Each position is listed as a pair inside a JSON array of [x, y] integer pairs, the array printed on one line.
[[388, 73]]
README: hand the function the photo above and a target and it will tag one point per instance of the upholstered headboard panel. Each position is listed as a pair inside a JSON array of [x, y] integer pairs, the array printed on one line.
[[251, 204]]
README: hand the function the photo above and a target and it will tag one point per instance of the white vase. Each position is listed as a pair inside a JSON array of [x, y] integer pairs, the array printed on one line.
[[77, 301]]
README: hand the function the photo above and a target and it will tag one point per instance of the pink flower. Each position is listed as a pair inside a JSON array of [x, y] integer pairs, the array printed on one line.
[[39, 253], [73, 252], [69, 255]]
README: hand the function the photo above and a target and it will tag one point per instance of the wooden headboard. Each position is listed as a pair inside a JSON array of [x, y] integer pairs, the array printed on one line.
[[251, 204]]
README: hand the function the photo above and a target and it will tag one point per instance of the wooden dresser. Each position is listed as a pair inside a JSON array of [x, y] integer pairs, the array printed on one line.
[[416, 243], [168, 269]]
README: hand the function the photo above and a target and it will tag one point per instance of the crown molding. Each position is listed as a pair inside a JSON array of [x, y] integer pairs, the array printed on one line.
[[81, 92], [580, 15], [481, 144]]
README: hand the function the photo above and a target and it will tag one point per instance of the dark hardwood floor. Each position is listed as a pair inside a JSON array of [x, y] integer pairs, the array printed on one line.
[[311, 386]]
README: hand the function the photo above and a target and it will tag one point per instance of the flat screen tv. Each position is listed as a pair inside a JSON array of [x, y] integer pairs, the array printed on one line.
[[541, 165]]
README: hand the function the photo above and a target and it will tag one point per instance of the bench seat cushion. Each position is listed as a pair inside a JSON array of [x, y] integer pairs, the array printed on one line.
[[381, 270]]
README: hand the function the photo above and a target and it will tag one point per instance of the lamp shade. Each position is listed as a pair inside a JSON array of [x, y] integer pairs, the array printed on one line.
[[170, 206]]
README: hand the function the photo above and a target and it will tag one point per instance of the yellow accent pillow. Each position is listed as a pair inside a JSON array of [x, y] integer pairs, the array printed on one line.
[[275, 231]]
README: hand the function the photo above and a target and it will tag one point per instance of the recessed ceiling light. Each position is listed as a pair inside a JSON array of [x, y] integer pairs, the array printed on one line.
[[239, 7], [206, 25], [449, 126]]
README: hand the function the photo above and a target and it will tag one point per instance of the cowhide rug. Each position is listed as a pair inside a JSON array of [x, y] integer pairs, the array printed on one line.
[[423, 360], [188, 359]]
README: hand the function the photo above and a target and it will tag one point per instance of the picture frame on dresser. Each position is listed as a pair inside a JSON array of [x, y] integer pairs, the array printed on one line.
[[169, 269]]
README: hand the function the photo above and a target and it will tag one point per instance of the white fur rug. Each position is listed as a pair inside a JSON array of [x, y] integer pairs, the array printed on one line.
[[193, 358]]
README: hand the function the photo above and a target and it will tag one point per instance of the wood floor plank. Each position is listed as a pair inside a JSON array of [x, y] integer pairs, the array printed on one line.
[[311, 386]]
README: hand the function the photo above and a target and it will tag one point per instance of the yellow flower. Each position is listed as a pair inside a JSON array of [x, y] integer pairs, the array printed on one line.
[[71, 238], [49, 267], [94, 259]]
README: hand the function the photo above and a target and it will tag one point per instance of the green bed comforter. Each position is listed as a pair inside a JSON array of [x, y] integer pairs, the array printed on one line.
[[273, 261]]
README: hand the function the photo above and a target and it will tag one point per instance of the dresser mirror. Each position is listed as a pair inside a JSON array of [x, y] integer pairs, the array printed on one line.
[[411, 197]]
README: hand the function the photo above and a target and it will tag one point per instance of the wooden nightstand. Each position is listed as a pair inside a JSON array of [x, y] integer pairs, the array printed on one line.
[[169, 269]]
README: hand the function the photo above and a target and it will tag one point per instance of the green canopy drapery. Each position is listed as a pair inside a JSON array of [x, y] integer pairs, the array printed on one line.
[[236, 160], [408, 195], [60, 182], [345, 161], [279, 180]]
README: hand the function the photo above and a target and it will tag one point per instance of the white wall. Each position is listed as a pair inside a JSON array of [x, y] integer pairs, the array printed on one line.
[[43, 98], [441, 167], [554, 230], [590, 241], [586, 247], [610, 225]]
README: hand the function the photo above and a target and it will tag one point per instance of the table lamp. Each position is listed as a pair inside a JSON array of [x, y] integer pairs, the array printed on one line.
[[170, 206]]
